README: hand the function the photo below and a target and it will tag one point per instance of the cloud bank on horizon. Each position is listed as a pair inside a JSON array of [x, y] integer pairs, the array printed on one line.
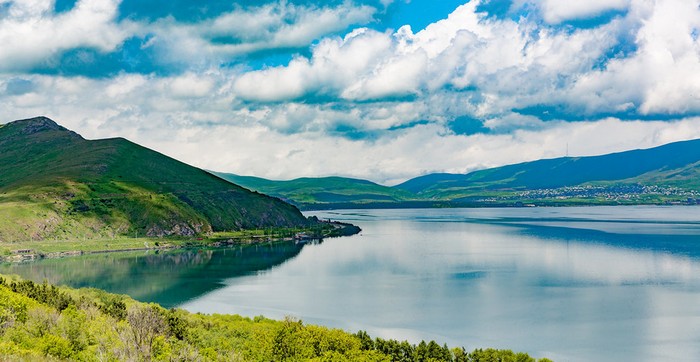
[[378, 89]]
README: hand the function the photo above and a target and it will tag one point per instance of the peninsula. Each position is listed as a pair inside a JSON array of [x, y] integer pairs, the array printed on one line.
[[62, 193]]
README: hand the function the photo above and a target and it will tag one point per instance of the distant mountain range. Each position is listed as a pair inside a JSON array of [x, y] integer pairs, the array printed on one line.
[[309, 191], [55, 184], [660, 175]]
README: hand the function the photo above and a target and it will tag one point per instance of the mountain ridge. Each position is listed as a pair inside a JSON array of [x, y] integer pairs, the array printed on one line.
[[625, 167], [53, 182], [668, 173], [331, 191]]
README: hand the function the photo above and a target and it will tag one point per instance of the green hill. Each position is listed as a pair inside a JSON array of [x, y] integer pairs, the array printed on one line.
[[324, 192], [55, 184], [675, 165], [664, 174]]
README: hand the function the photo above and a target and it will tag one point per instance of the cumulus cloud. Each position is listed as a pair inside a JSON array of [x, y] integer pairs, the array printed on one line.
[[31, 33], [556, 11], [257, 150], [335, 63], [662, 76], [363, 103], [248, 30], [206, 132], [34, 35], [514, 60], [506, 64]]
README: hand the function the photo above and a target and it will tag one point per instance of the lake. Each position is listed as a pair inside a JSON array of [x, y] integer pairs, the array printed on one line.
[[571, 284]]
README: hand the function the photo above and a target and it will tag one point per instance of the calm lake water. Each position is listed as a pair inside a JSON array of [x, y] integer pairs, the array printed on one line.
[[571, 284]]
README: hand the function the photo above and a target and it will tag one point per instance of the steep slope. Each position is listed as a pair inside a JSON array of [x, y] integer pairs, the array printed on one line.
[[674, 164], [318, 192], [54, 183]]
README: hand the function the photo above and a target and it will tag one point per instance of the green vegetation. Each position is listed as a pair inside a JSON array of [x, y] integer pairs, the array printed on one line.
[[31, 249], [44, 322], [672, 167], [668, 174], [56, 185], [313, 193]]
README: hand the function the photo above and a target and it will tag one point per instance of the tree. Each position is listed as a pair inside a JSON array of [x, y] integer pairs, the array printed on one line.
[[366, 342], [146, 324]]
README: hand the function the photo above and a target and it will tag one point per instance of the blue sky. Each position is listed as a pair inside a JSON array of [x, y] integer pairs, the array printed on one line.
[[378, 89]]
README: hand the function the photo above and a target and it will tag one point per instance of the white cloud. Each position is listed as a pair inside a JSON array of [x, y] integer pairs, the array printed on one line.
[[335, 63], [288, 82], [512, 64], [662, 76], [556, 11], [369, 104], [398, 76], [30, 8], [206, 132], [190, 85], [259, 151], [244, 31], [32, 33]]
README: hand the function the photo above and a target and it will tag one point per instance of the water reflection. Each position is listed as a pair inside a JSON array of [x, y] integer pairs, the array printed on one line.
[[572, 284], [169, 278], [575, 284]]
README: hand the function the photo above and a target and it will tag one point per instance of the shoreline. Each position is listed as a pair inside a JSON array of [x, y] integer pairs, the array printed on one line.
[[304, 207], [19, 255]]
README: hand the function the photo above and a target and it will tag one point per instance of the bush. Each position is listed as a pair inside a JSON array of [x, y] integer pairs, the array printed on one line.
[[114, 306], [53, 345]]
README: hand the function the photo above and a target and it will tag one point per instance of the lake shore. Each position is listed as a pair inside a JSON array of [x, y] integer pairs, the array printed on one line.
[[19, 252]]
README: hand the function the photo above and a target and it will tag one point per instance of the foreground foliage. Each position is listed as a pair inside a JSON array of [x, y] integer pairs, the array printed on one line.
[[44, 322]]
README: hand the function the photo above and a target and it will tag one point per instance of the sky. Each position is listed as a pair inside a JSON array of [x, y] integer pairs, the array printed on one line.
[[384, 90]]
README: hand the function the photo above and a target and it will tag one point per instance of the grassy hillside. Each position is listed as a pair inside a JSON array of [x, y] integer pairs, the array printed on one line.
[[674, 164], [41, 322], [323, 191], [55, 184], [665, 174]]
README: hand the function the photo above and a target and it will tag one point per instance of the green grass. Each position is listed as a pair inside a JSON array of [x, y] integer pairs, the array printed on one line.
[[84, 245], [54, 184], [45, 247]]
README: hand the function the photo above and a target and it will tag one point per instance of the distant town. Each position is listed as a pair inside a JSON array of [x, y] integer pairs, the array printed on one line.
[[606, 194]]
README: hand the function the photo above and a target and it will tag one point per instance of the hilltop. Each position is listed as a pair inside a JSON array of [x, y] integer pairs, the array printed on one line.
[[321, 192], [56, 184], [668, 174]]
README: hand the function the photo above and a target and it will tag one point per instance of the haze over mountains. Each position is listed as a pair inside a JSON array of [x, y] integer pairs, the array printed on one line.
[[665, 174], [55, 184]]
